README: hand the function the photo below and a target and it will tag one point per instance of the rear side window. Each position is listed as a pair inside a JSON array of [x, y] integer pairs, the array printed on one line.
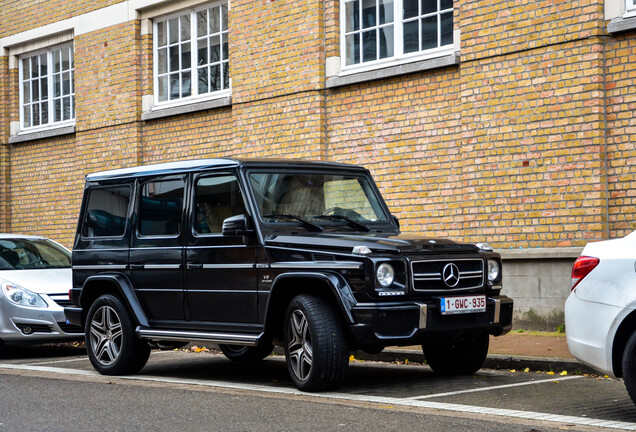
[[161, 207], [106, 212]]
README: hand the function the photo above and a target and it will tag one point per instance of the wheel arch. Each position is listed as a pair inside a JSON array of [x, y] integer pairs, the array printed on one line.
[[117, 285], [331, 287], [624, 331]]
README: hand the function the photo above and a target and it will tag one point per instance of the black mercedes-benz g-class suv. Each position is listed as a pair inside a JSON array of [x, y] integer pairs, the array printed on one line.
[[250, 254]]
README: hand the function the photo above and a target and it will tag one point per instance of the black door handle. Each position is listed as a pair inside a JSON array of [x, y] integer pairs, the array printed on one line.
[[194, 266], [136, 266]]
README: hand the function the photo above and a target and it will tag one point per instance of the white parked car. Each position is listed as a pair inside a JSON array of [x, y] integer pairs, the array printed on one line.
[[600, 313], [35, 279]]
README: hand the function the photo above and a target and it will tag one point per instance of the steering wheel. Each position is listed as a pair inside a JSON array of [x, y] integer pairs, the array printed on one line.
[[339, 211], [335, 210]]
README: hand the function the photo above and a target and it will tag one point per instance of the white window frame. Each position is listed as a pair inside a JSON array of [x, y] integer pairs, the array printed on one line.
[[630, 9], [194, 85], [51, 98], [399, 56]]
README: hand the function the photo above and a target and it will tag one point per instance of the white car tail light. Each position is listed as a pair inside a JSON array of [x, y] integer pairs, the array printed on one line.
[[582, 267]]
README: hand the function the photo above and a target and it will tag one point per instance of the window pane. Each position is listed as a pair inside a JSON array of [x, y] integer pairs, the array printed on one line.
[[26, 113], [26, 92], [203, 80], [66, 64], [446, 4], [226, 75], [368, 13], [353, 49], [57, 105], [215, 78], [163, 88], [202, 23], [45, 113], [369, 46], [26, 73], [43, 65], [72, 82], [428, 6], [174, 86], [174, 58], [386, 42], [429, 32], [447, 28], [161, 34], [57, 86], [162, 61], [34, 67], [224, 17], [186, 89], [217, 198], [411, 37], [66, 83], [353, 16], [44, 90], [386, 11], [225, 54], [161, 207], [72, 107], [409, 9], [106, 211], [66, 103], [202, 52], [186, 56], [57, 62], [36, 114], [185, 28], [215, 18], [173, 30], [35, 91], [215, 49]]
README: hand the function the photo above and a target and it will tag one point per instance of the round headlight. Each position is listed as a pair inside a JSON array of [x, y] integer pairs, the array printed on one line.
[[385, 275], [493, 270]]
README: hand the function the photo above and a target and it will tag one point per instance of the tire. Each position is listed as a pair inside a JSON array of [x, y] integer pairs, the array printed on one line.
[[316, 350], [111, 344], [629, 366], [463, 356], [245, 354]]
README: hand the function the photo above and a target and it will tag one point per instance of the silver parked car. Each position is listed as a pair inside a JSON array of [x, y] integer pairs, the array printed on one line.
[[35, 279]]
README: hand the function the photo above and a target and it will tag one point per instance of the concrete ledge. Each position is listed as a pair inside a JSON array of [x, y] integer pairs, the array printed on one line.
[[184, 109], [439, 62], [618, 25], [540, 253], [50, 133]]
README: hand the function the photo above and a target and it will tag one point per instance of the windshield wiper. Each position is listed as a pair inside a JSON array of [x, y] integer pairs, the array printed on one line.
[[305, 223], [344, 218]]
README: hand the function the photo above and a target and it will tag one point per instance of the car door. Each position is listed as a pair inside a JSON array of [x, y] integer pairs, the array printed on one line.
[[221, 274], [157, 247]]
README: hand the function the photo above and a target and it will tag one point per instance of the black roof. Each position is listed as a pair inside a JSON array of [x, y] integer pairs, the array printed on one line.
[[202, 164]]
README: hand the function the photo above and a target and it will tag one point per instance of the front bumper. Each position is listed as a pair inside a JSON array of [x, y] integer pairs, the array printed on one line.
[[411, 323], [24, 325]]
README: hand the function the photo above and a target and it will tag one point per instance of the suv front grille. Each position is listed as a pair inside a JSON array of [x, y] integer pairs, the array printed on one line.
[[429, 275]]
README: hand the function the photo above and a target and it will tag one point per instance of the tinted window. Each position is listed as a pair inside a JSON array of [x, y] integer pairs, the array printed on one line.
[[19, 254], [161, 207], [106, 212], [217, 198]]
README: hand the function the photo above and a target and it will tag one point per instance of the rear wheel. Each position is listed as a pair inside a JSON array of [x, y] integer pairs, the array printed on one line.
[[457, 356], [629, 366], [316, 350], [243, 354], [112, 346]]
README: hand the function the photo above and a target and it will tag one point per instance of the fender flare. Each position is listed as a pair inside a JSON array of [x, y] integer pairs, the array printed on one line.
[[340, 290], [125, 289]]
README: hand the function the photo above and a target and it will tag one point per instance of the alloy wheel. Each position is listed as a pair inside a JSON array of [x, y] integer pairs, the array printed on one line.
[[299, 346], [106, 335]]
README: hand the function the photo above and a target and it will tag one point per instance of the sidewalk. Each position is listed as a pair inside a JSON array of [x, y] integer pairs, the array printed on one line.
[[536, 351]]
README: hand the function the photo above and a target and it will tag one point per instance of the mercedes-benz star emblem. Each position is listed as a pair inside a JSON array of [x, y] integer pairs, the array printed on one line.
[[450, 275]]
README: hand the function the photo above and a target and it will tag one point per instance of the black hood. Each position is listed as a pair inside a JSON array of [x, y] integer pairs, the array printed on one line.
[[404, 243]]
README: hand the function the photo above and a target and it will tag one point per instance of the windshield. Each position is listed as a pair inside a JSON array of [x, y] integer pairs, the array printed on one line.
[[323, 199], [20, 254]]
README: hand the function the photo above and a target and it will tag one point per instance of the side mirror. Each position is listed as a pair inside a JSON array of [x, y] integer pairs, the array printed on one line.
[[235, 225], [396, 220]]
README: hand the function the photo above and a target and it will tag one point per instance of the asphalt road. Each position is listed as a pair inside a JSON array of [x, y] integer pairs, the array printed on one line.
[[56, 389]]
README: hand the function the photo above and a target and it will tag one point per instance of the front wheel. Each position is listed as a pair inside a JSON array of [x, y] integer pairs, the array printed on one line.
[[112, 346], [457, 356], [244, 354], [629, 367], [316, 350]]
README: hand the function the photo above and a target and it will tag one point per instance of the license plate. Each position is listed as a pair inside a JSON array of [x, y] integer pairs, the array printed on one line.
[[465, 304]]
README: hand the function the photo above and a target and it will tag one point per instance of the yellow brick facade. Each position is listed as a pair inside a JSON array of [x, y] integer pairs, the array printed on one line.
[[526, 142]]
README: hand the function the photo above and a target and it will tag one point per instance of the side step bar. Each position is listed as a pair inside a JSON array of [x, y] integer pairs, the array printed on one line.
[[183, 336]]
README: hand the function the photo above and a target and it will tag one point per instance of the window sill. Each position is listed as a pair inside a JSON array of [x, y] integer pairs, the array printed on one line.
[[392, 71], [158, 113], [618, 25], [48, 133]]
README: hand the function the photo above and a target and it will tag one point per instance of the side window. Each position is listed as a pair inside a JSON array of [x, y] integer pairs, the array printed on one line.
[[161, 207], [216, 199], [106, 212]]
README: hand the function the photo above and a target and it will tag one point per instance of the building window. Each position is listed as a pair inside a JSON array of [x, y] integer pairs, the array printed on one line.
[[375, 30], [47, 89], [191, 54], [630, 6]]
